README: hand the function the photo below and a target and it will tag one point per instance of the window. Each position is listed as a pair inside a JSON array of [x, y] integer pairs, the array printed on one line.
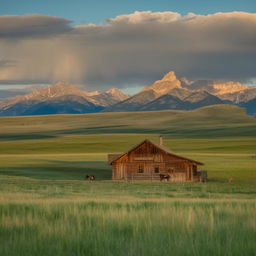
[[156, 170], [141, 169], [153, 150]]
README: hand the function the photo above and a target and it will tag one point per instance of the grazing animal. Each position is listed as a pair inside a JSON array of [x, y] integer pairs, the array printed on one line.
[[165, 177], [230, 180], [90, 177]]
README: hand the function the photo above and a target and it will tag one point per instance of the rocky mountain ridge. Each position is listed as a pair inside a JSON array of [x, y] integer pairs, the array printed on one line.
[[169, 92], [61, 90]]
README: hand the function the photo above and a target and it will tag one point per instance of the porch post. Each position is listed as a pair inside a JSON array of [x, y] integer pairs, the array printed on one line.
[[191, 171]]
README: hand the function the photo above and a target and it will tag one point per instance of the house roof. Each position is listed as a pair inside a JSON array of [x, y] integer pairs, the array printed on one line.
[[162, 148], [113, 157]]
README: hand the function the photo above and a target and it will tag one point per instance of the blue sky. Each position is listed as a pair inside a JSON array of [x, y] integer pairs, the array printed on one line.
[[95, 11]]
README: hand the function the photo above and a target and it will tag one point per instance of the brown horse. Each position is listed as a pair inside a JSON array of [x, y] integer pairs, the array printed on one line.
[[230, 180], [90, 177]]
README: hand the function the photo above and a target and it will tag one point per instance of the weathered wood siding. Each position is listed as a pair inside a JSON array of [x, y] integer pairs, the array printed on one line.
[[153, 161]]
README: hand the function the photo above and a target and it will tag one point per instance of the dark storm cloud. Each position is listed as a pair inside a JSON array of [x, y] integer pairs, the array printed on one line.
[[6, 63], [32, 25], [139, 48], [8, 93]]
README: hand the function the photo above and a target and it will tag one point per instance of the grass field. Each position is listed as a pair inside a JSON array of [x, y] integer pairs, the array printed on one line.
[[46, 208], [195, 227], [71, 217]]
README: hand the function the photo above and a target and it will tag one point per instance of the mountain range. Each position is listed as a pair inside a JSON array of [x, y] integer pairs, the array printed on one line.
[[169, 92]]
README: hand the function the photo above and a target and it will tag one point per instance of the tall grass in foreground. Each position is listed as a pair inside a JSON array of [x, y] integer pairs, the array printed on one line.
[[128, 228]]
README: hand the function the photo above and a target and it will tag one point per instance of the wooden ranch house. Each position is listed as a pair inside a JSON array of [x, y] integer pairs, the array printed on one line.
[[149, 161]]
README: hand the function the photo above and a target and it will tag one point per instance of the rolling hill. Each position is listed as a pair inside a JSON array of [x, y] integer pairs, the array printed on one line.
[[218, 120], [68, 146]]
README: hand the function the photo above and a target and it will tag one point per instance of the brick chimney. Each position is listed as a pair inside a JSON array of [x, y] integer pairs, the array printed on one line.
[[161, 140]]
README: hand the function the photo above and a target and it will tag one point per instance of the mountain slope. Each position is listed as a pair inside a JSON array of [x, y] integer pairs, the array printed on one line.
[[215, 87], [169, 84], [165, 102], [169, 92], [240, 96], [71, 104], [173, 93], [134, 103], [117, 94], [201, 99], [59, 98], [194, 100], [250, 107], [56, 90], [110, 97], [149, 93], [180, 93]]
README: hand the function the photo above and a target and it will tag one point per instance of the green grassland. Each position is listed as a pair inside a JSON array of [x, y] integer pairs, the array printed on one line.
[[69, 146], [46, 207]]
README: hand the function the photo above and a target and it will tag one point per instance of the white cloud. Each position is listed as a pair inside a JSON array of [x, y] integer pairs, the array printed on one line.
[[146, 17]]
